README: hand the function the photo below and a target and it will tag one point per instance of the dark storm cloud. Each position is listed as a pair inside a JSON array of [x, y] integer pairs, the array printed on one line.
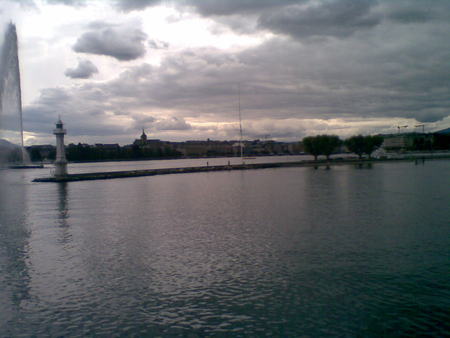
[[84, 115], [381, 65], [296, 18], [91, 110], [306, 18], [84, 70], [209, 7], [122, 42], [220, 7], [279, 81], [334, 18], [129, 5], [416, 11]]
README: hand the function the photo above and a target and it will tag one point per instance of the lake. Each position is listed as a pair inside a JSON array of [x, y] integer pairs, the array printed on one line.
[[271, 252]]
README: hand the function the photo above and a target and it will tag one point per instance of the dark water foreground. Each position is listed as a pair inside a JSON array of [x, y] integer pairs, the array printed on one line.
[[281, 252]]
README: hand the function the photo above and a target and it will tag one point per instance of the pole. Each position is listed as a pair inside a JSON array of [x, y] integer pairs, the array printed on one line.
[[240, 122]]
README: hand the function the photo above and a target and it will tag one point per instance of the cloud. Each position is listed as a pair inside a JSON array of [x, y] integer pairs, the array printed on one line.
[[172, 123], [333, 18], [80, 107], [303, 19], [144, 121], [76, 3], [158, 44], [122, 42], [84, 70], [414, 11], [129, 5], [220, 7], [194, 93], [208, 7], [376, 67], [24, 4]]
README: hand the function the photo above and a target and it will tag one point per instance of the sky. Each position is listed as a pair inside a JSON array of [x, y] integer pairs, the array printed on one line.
[[177, 68]]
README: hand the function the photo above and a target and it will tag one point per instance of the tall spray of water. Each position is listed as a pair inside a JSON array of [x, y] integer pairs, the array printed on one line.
[[10, 91]]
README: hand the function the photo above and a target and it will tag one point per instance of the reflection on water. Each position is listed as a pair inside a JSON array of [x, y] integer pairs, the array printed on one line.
[[63, 202], [283, 252], [14, 248], [63, 212]]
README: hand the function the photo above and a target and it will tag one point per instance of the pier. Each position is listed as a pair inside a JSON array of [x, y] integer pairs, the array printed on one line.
[[166, 171], [207, 168]]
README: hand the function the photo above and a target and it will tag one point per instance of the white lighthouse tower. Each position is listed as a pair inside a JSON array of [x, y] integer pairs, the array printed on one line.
[[60, 162]]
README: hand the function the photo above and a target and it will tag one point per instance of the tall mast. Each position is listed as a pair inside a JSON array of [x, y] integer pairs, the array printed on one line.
[[240, 122]]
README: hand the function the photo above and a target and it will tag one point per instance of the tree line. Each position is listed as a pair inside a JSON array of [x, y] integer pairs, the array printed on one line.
[[315, 145], [85, 152], [328, 144]]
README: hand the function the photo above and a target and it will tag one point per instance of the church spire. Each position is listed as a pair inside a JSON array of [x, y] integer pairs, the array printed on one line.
[[143, 137]]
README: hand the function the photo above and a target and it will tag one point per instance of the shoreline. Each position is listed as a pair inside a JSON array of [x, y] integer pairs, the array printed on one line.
[[185, 170]]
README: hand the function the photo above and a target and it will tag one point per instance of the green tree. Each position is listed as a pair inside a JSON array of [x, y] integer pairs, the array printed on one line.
[[312, 146], [328, 144], [356, 144], [372, 143], [363, 144], [35, 155], [321, 145]]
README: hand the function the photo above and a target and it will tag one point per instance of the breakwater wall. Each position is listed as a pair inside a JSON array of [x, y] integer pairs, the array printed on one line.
[[165, 171], [185, 170]]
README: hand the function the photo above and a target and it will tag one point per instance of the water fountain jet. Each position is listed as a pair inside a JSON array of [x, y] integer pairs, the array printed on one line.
[[10, 90]]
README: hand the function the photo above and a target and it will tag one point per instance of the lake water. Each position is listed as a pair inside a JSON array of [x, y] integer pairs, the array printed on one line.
[[275, 252]]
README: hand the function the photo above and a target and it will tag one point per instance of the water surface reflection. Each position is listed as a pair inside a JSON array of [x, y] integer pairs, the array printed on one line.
[[14, 248], [277, 252]]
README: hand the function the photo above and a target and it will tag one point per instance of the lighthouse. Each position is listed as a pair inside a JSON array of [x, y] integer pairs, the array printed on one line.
[[60, 162]]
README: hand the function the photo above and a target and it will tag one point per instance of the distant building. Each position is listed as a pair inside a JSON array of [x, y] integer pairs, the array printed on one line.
[[154, 147], [200, 148], [145, 143], [204, 148], [295, 148], [397, 142], [410, 141]]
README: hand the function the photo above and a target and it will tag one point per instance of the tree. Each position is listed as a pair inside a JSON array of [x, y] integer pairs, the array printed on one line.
[[321, 145], [363, 144], [328, 144], [35, 155], [356, 144], [372, 143], [136, 151], [312, 146]]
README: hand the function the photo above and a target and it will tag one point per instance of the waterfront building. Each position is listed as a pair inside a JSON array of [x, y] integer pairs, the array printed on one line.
[[410, 141]]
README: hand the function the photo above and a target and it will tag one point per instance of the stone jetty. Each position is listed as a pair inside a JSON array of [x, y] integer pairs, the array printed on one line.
[[166, 171], [185, 170]]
